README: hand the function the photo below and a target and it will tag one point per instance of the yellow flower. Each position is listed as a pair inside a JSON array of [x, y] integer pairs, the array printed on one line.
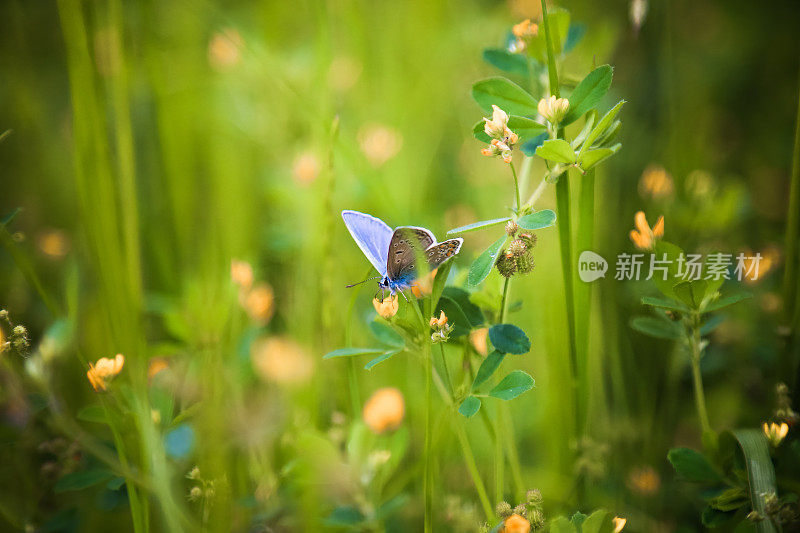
[[619, 523], [306, 168], [478, 339], [496, 126], [497, 147], [242, 274], [387, 307], [525, 29], [643, 237], [384, 410], [516, 524], [281, 360], [503, 139], [104, 371], [224, 50], [656, 183], [439, 322], [260, 303], [379, 143], [775, 433], [553, 109]]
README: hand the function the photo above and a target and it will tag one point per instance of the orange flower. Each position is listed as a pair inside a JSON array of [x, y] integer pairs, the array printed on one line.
[[525, 29], [439, 322], [242, 274], [104, 371], [281, 360], [306, 168], [644, 481], [260, 303], [225, 49], [656, 183], [384, 410], [478, 339], [424, 287], [643, 237], [516, 524], [156, 365], [619, 523], [387, 307]]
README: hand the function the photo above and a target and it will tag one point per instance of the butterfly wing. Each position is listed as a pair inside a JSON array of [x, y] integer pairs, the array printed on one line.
[[405, 244], [372, 235], [440, 252]]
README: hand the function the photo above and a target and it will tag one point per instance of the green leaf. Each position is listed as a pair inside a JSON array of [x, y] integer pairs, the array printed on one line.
[[663, 303], [487, 368], [482, 266], [666, 283], [479, 133], [82, 479], [115, 483], [93, 413], [713, 518], [505, 94], [691, 292], [726, 301], [505, 60], [469, 406], [470, 310], [600, 521], [692, 466], [760, 471], [478, 225], [526, 128], [512, 385], [730, 500], [588, 93], [557, 150], [602, 125], [591, 158], [350, 352], [561, 525], [508, 338], [538, 220], [381, 358], [385, 334], [659, 328], [455, 316]]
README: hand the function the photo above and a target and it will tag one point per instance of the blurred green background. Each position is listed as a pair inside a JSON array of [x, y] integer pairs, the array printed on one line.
[[153, 142]]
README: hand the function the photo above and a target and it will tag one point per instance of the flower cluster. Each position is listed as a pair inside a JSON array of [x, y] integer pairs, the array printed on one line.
[[775, 433], [503, 139], [525, 517], [643, 237], [441, 329], [17, 339], [517, 258], [102, 372], [553, 109], [523, 33]]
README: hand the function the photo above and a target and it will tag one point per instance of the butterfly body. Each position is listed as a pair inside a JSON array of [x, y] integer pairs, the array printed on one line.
[[394, 253]]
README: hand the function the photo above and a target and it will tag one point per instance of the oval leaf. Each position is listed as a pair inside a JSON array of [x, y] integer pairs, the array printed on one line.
[[487, 368], [526, 128], [381, 358], [512, 385], [505, 60], [470, 406], [82, 479], [588, 93], [657, 327], [482, 266], [505, 94], [385, 334], [692, 465], [538, 220], [508, 338], [556, 150]]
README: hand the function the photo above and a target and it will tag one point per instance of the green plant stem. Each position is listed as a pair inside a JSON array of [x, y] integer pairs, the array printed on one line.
[[469, 459], [790, 281], [428, 474], [551, 53], [516, 185], [697, 378], [537, 193], [446, 370], [504, 301]]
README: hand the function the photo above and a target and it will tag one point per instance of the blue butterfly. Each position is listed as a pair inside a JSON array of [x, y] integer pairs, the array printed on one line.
[[393, 253]]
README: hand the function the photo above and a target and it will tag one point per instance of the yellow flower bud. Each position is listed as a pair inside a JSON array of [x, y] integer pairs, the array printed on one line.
[[553, 109], [387, 307], [775, 433], [619, 523]]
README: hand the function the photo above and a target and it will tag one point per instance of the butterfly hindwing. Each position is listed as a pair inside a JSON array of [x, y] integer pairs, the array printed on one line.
[[372, 236], [441, 252]]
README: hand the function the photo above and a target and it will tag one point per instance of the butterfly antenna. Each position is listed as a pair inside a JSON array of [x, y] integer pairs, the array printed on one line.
[[360, 282]]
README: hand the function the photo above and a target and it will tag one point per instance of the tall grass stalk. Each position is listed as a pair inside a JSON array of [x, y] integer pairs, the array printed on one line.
[[791, 293]]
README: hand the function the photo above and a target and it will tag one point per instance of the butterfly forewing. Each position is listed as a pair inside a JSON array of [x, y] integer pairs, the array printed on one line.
[[406, 243]]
